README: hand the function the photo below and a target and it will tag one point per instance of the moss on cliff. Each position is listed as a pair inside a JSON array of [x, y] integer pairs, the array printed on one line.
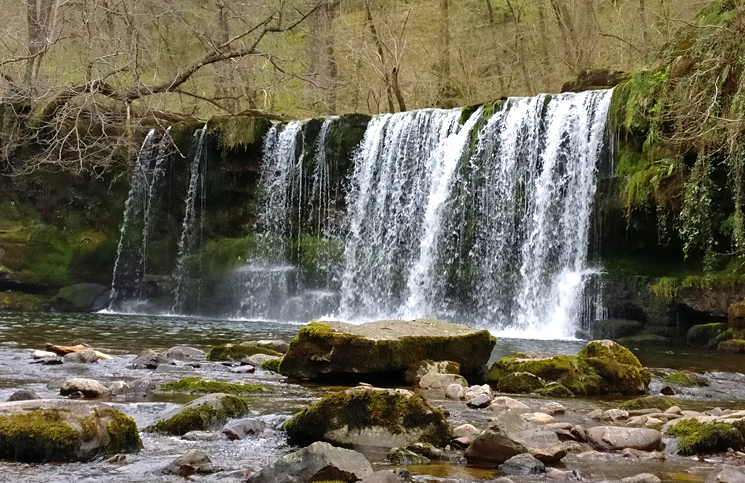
[[232, 133]]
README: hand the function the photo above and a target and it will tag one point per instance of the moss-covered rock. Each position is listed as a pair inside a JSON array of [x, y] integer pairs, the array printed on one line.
[[23, 302], [419, 369], [697, 437], [271, 365], [203, 414], [229, 352], [370, 417], [384, 348], [554, 390], [686, 379], [520, 383], [233, 133], [653, 402], [733, 346], [703, 336], [61, 430], [601, 367], [198, 385]]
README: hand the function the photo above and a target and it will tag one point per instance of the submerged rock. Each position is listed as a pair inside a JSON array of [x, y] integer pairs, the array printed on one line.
[[187, 354], [384, 348], [370, 417], [49, 430], [405, 457], [86, 356], [87, 387], [318, 462], [523, 464], [243, 428], [149, 359], [133, 390], [615, 438], [23, 395], [203, 414], [193, 462], [510, 435]]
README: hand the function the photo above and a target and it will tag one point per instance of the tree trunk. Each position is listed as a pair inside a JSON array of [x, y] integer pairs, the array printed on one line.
[[444, 87], [41, 16], [645, 34], [381, 56], [320, 64]]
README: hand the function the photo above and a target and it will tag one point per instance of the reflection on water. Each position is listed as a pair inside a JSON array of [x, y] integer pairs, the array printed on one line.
[[132, 333]]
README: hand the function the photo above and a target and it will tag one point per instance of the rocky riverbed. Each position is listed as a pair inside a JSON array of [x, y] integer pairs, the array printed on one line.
[[491, 435]]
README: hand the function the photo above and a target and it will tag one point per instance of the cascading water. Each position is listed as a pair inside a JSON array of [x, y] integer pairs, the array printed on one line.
[[495, 233], [129, 267], [191, 232]]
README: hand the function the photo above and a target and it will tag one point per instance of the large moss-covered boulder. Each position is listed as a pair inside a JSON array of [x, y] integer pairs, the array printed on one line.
[[386, 348], [51, 430], [703, 437], [364, 417], [601, 367], [203, 414]]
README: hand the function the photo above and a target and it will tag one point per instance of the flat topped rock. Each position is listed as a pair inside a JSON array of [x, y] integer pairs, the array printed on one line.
[[386, 348], [396, 329]]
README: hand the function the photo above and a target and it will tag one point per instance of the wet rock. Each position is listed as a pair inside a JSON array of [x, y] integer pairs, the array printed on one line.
[[133, 390], [466, 430], [615, 438], [204, 436], [405, 457], [736, 315], [479, 402], [455, 391], [203, 414], [727, 474], [641, 478], [247, 369], [667, 391], [520, 383], [504, 403], [86, 356], [474, 391], [257, 360], [646, 455], [403, 474], [384, 347], [673, 410], [149, 359], [562, 475], [435, 381], [23, 395], [617, 414], [49, 430], [193, 462], [83, 297], [42, 354], [416, 371], [523, 464], [703, 336], [245, 427], [554, 426], [387, 476], [553, 408], [509, 435], [62, 350], [579, 433], [708, 434], [598, 415], [318, 462], [539, 418], [87, 387], [363, 416], [614, 328], [49, 361], [734, 346], [186, 354], [273, 345], [462, 442]]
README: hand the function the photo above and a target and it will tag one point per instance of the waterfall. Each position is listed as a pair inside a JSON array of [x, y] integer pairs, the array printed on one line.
[[487, 222], [190, 239], [129, 267]]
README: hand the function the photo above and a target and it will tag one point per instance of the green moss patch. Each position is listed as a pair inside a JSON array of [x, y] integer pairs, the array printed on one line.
[[198, 385], [686, 379], [202, 418], [236, 352], [733, 346], [271, 365], [519, 383], [358, 409], [653, 402], [695, 437]]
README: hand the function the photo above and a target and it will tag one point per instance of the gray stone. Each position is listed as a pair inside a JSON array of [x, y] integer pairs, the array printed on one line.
[[87, 387], [257, 360], [504, 403], [642, 478], [474, 391], [387, 476], [607, 438], [272, 344], [479, 402], [204, 436], [49, 361], [462, 442], [193, 462], [23, 395], [149, 359], [405, 457], [455, 391], [727, 474], [247, 369], [509, 435], [614, 328], [244, 427], [523, 464], [42, 354], [86, 356], [437, 381], [81, 430], [318, 462], [416, 371], [135, 390], [83, 297], [553, 408], [183, 353], [466, 430], [579, 433]]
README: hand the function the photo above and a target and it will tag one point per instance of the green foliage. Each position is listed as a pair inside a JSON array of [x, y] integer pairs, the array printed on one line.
[[222, 254], [198, 385], [23, 302], [237, 352], [696, 437], [665, 288], [238, 132], [272, 365]]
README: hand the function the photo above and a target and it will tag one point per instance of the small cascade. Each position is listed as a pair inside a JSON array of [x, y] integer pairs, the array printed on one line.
[[191, 227], [166, 149], [129, 267]]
